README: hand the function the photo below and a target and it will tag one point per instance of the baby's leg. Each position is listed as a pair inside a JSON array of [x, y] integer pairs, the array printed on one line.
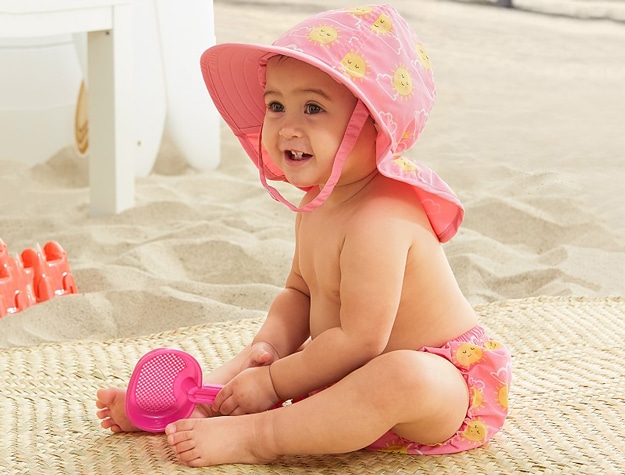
[[421, 396]]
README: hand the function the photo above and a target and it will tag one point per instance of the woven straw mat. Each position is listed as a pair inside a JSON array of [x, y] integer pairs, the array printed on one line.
[[567, 400]]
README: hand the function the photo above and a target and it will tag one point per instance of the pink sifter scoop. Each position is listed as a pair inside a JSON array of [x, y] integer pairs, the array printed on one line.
[[165, 386]]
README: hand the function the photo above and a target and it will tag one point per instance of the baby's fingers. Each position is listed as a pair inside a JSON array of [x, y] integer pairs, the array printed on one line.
[[228, 407], [221, 397]]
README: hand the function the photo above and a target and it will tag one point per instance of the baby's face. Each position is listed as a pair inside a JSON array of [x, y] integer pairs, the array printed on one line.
[[307, 114]]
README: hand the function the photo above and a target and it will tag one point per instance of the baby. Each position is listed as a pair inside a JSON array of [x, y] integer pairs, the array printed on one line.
[[371, 337]]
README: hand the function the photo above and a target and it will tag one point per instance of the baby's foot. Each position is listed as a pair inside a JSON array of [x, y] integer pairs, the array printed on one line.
[[112, 411], [219, 440]]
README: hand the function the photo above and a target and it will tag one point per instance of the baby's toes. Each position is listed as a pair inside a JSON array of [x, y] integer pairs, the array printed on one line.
[[181, 426], [106, 422], [103, 413]]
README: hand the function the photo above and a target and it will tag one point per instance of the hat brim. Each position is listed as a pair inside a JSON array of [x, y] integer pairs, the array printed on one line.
[[235, 82]]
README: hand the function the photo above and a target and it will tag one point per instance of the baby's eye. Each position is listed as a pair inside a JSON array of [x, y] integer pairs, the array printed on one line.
[[313, 109], [275, 107]]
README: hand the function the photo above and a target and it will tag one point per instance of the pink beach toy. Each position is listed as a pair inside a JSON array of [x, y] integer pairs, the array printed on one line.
[[37, 275], [165, 386], [48, 270], [16, 293]]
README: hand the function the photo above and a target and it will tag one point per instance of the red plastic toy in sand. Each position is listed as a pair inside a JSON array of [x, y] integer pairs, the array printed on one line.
[[35, 276]]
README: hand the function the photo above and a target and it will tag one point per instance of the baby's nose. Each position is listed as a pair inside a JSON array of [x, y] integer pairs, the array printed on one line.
[[290, 128]]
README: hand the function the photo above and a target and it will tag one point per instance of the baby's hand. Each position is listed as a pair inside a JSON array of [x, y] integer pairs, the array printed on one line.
[[260, 354], [250, 392], [252, 356]]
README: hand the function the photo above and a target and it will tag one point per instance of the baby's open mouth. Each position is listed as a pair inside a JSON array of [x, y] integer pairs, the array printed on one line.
[[297, 155]]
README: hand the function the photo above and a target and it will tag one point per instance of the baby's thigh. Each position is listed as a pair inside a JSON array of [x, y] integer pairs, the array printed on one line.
[[436, 400]]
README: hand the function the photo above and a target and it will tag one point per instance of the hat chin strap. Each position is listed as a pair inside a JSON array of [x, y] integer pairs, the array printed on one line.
[[352, 132]]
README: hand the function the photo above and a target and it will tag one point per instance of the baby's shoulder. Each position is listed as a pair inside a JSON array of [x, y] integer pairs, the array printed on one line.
[[388, 213], [391, 199], [391, 210]]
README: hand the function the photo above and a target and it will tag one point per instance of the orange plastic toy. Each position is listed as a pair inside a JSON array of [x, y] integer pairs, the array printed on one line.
[[37, 275]]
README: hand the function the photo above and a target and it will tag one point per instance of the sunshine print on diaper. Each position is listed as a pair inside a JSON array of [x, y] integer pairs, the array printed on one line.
[[485, 365]]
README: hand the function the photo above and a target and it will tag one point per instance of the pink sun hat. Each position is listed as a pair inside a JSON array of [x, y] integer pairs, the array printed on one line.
[[378, 57]]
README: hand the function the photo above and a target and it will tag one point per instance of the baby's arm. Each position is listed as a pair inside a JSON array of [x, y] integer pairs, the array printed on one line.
[[253, 355], [283, 332], [372, 266], [287, 325]]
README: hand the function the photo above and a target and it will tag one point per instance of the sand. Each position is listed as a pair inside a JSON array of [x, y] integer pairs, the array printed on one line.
[[527, 129]]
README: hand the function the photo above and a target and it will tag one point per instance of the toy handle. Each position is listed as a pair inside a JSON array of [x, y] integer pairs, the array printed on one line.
[[204, 395]]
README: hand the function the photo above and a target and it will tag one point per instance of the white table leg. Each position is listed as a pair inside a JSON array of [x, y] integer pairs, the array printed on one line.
[[110, 85]]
